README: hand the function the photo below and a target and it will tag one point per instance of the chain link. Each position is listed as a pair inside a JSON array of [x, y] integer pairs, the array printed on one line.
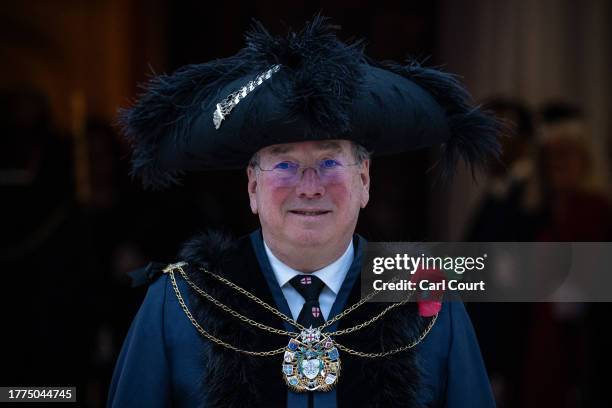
[[299, 326], [210, 336], [232, 311], [254, 299], [353, 307], [179, 266], [393, 351]]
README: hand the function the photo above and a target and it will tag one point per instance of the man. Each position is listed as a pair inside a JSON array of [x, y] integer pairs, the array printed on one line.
[[248, 322], [308, 217]]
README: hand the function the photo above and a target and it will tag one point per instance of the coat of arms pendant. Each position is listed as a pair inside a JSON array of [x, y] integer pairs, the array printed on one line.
[[311, 362]]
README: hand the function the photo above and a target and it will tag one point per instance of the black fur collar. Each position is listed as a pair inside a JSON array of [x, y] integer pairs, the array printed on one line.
[[232, 379]]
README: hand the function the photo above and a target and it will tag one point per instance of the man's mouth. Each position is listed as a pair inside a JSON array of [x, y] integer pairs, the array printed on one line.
[[310, 213]]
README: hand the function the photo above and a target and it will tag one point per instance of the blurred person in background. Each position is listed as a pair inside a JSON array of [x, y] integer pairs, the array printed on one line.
[[509, 211], [510, 208], [565, 362], [61, 325], [577, 210], [42, 252]]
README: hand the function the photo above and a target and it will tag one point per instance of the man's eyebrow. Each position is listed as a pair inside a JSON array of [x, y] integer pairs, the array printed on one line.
[[281, 149], [324, 146], [330, 146]]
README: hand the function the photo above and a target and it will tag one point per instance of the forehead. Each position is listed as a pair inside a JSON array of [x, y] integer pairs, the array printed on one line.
[[336, 146]]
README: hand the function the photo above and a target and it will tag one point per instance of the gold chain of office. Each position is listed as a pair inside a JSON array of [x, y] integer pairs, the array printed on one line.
[[171, 268]]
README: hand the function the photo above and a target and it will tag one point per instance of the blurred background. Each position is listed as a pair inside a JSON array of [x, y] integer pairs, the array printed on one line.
[[74, 223]]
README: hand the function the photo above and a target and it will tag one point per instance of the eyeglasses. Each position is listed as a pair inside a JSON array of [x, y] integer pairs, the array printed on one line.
[[289, 173]]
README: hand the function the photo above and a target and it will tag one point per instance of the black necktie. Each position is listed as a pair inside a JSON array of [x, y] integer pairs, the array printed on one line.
[[309, 287]]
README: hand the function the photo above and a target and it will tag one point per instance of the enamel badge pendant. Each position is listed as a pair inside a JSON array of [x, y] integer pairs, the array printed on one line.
[[311, 362]]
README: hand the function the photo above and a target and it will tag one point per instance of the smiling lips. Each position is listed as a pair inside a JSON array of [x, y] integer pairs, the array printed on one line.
[[310, 213]]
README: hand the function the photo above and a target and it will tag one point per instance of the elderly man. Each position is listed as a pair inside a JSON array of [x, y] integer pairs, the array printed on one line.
[[308, 196], [276, 318]]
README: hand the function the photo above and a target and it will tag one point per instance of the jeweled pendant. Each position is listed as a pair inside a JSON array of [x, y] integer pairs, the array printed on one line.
[[311, 362]]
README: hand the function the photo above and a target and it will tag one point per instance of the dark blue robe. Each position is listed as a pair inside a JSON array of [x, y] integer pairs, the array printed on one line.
[[159, 363]]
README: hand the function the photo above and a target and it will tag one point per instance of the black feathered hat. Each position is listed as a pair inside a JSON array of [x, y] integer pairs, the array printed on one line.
[[306, 86]]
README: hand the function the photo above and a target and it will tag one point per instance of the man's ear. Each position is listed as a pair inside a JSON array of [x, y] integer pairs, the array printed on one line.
[[364, 174], [252, 188]]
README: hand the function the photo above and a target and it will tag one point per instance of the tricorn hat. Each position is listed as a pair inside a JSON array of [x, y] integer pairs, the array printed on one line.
[[308, 85]]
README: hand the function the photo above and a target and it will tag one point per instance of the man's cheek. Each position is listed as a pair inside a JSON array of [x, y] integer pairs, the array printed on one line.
[[276, 184], [339, 194]]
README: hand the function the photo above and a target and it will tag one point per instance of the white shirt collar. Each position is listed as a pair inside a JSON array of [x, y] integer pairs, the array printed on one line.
[[332, 275]]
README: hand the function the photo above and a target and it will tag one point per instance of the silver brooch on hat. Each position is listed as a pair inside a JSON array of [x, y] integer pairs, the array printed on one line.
[[224, 107]]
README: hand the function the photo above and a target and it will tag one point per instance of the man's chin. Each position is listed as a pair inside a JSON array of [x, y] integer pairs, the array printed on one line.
[[309, 238]]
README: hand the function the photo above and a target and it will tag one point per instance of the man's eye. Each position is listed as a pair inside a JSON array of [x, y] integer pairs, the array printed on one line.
[[329, 163], [285, 166]]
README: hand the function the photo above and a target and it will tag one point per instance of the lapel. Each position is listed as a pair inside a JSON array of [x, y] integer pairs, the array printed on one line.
[[232, 379]]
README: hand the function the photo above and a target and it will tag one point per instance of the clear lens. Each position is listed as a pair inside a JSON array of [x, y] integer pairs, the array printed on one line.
[[289, 173]]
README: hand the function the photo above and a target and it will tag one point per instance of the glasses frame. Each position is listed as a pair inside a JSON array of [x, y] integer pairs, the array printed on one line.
[[302, 168]]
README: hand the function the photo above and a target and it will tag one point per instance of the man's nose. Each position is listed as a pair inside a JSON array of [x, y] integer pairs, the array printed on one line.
[[309, 184]]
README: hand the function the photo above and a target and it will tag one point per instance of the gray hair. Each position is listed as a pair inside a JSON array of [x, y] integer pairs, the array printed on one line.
[[359, 152]]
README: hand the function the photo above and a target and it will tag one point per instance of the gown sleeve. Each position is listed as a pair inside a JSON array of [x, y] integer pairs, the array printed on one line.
[[467, 383], [453, 372], [142, 376]]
